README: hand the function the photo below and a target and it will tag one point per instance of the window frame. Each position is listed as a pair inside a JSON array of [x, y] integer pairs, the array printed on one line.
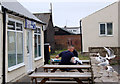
[[37, 34], [106, 34], [17, 65]]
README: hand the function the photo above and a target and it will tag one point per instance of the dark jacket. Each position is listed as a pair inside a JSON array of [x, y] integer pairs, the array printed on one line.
[[75, 53]]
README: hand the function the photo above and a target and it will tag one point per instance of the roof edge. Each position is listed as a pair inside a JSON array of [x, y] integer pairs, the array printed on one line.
[[100, 10]]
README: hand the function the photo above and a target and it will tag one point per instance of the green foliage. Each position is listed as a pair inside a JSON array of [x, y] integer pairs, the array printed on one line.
[[49, 62], [83, 57]]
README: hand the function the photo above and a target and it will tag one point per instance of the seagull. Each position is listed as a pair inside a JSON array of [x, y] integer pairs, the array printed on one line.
[[104, 62], [100, 58], [110, 69], [110, 53]]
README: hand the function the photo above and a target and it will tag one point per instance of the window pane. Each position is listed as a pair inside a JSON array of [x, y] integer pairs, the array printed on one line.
[[39, 46], [109, 28], [11, 25], [11, 49], [35, 41], [102, 28], [19, 48], [19, 26]]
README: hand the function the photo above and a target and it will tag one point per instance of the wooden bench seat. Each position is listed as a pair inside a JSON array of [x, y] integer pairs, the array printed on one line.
[[47, 75], [65, 82], [55, 67]]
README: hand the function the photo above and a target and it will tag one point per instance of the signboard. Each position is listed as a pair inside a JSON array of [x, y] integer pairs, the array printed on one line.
[[30, 24]]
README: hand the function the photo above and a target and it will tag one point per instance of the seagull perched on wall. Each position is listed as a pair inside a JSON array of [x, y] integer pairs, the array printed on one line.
[[110, 53]]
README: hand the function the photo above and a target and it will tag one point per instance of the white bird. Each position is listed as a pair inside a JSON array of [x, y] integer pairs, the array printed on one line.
[[105, 62], [100, 58], [110, 53], [110, 69]]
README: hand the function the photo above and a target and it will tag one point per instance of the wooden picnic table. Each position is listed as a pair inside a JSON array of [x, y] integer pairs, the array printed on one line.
[[55, 67], [84, 61], [47, 75]]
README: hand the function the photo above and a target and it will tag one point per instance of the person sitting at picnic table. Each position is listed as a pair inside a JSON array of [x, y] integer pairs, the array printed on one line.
[[66, 57]]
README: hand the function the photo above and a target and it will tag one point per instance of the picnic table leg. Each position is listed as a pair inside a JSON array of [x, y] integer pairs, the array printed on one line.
[[79, 70], [32, 80], [44, 80], [78, 80], [46, 70], [35, 80], [53, 70]]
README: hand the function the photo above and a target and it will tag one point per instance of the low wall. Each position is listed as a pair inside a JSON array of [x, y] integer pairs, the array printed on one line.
[[102, 76]]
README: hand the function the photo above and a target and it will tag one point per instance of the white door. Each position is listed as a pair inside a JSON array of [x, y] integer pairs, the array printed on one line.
[[29, 50]]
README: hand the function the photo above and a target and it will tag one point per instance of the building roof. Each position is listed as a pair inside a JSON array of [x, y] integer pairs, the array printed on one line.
[[17, 8], [71, 27], [101, 9], [65, 30], [45, 17]]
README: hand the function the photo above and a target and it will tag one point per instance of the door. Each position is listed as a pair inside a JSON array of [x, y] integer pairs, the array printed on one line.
[[29, 50]]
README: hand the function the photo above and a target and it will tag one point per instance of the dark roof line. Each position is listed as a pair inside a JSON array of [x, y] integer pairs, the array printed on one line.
[[65, 30]]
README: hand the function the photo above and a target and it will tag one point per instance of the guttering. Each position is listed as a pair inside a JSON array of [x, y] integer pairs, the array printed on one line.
[[81, 36], [4, 45]]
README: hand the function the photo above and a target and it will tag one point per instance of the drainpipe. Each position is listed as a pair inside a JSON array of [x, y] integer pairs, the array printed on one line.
[[81, 36], [4, 42]]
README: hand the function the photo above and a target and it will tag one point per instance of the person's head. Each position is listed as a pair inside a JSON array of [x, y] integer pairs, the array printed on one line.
[[73, 47], [70, 48]]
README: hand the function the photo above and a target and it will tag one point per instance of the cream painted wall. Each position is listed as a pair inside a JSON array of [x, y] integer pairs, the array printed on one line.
[[1, 47], [12, 76], [119, 24], [90, 28]]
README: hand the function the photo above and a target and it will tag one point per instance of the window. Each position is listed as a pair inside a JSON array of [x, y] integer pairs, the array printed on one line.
[[15, 42], [106, 29], [37, 42]]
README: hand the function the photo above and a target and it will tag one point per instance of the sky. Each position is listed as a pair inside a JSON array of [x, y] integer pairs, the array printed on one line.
[[66, 12]]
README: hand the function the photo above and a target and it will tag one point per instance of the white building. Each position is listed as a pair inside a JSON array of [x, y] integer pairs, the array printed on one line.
[[75, 30], [102, 28], [21, 42]]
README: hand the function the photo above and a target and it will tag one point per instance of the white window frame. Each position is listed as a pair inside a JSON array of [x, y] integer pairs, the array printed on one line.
[[16, 31], [38, 57], [105, 29]]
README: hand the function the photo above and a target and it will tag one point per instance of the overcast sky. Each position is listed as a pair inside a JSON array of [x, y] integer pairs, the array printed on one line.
[[66, 12]]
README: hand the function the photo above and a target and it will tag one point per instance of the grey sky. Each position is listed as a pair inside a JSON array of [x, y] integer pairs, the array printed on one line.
[[66, 13]]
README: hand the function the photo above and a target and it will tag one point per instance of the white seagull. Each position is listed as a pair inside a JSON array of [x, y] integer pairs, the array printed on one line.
[[100, 58], [110, 53], [110, 69], [104, 62]]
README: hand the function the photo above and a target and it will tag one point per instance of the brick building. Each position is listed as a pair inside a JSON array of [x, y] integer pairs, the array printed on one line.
[[64, 38]]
